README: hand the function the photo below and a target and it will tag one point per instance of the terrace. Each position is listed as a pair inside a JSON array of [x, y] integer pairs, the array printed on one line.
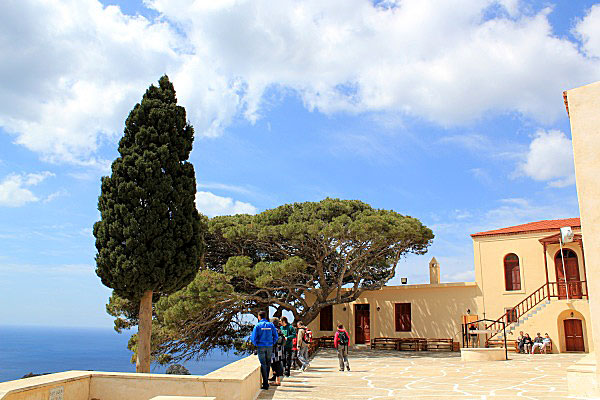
[[375, 374], [378, 374]]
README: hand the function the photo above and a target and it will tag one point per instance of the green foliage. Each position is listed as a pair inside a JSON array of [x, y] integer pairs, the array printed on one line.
[[150, 233], [298, 257], [177, 369]]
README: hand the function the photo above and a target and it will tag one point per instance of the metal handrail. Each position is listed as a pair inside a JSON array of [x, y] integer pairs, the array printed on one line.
[[520, 309], [546, 291]]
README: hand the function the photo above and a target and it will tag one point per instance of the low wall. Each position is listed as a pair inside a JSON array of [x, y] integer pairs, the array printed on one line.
[[482, 354], [239, 380], [75, 385]]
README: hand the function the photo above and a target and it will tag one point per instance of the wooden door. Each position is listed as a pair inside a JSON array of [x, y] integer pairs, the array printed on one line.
[[362, 322], [572, 281], [574, 335]]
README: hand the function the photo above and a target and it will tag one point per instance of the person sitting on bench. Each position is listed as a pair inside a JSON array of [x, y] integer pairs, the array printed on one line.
[[521, 342], [537, 342], [527, 343], [547, 342]]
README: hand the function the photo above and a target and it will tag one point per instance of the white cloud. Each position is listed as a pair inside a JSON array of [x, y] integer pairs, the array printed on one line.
[[588, 30], [73, 68], [228, 188], [14, 191], [55, 195], [516, 211], [550, 158], [211, 205]]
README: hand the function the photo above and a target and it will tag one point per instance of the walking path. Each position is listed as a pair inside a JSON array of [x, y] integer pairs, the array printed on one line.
[[380, 374]]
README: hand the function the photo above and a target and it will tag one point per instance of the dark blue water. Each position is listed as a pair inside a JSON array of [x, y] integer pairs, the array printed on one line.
[[44, 349]]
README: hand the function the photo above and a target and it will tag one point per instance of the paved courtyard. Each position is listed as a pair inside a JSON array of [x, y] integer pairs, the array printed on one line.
[[380, 374]]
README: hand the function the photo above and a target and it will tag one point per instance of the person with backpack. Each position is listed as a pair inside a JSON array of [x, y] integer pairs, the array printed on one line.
[[340, 342], [295, 363], [303, 342], [264, 336]]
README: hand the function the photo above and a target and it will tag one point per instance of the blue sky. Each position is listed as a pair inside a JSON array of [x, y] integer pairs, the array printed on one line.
[[449, 111]]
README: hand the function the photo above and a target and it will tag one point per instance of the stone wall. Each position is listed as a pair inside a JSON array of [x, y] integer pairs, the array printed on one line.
[[239, 380]]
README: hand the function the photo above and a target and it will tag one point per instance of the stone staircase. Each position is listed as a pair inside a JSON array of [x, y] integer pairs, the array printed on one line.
[[522, 312], [523, 319]]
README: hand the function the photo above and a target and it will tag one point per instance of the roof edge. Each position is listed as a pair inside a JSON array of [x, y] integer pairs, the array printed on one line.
[[499, 232]]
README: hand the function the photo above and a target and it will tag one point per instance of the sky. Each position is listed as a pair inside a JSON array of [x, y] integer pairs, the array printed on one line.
[[450, 111]]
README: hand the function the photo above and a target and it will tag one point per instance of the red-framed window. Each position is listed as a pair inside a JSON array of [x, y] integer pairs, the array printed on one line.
[[512, 272], [511, 315], [326, 319], [402, 317]]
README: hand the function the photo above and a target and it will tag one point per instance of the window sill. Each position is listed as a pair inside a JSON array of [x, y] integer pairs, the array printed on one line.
[[522, 291]]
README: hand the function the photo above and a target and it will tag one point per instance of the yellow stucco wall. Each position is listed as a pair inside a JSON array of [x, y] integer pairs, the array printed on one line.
[[489, 253], [551, 320], [436, 310], [584, 113], [239, 380], [75, 386]]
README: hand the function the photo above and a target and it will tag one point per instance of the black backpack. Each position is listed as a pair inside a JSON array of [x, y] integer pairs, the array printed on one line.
[[342, 338]]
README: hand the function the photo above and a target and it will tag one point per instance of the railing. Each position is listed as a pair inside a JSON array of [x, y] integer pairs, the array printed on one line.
[[575, 289]]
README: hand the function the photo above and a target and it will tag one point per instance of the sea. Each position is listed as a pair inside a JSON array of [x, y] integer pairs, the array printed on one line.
[[41, 350]]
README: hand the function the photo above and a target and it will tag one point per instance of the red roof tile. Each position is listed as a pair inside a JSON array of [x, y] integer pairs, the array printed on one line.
[[539, 226]]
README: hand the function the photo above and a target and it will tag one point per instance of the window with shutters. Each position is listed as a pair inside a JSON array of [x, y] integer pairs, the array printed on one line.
[[326, 321], [511, 315], [402, 312], [512, 272]]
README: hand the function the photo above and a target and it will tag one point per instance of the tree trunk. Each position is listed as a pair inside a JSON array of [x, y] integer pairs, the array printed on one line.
[[310, 315], [144, 333], [278, 312]]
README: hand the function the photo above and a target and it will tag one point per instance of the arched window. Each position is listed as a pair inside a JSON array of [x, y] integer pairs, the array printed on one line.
[[512, 272]]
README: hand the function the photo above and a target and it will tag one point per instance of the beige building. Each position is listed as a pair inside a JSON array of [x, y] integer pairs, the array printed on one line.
[[519, 280]]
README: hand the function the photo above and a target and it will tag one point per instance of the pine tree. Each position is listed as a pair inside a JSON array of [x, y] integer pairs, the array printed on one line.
[[299, 258], [150, 236]]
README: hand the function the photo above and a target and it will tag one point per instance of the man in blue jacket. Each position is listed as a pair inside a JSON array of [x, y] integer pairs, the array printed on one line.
[[264, 335]]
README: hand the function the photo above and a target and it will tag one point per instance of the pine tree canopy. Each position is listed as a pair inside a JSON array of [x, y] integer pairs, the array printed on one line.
[[150, 233], [298, 257]]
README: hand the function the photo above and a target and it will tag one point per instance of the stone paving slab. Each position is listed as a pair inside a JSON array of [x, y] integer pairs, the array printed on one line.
[[381, 374]]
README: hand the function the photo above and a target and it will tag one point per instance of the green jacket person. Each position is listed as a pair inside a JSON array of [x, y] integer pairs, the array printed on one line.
[[290, 333]]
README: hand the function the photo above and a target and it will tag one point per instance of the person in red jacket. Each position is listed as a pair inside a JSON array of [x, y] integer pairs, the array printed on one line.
[[340, 342]]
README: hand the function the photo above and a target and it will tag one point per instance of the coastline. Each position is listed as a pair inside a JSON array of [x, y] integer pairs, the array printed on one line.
[[40, 349]]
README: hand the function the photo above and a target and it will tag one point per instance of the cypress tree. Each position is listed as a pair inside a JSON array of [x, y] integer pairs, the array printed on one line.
[[150, 236]]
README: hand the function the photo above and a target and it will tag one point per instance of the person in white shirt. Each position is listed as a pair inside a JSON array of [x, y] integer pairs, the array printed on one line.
[[546, 343]]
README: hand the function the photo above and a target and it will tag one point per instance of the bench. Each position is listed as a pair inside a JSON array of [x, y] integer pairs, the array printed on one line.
[[548, 347], [326, 342], [439, 344], [411, 344], [384, 343], [495, 343]]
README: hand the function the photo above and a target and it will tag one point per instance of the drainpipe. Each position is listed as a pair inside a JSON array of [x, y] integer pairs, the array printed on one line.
[[563, 266]]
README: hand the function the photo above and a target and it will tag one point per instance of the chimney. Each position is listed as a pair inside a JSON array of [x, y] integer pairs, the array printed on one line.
[[434, 272]]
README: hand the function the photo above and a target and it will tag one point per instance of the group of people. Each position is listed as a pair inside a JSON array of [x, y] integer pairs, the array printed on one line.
[[281, 347], [527, 345]]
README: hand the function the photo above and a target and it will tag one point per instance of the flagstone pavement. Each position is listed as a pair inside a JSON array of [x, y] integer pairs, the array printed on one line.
[[381, 374]]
